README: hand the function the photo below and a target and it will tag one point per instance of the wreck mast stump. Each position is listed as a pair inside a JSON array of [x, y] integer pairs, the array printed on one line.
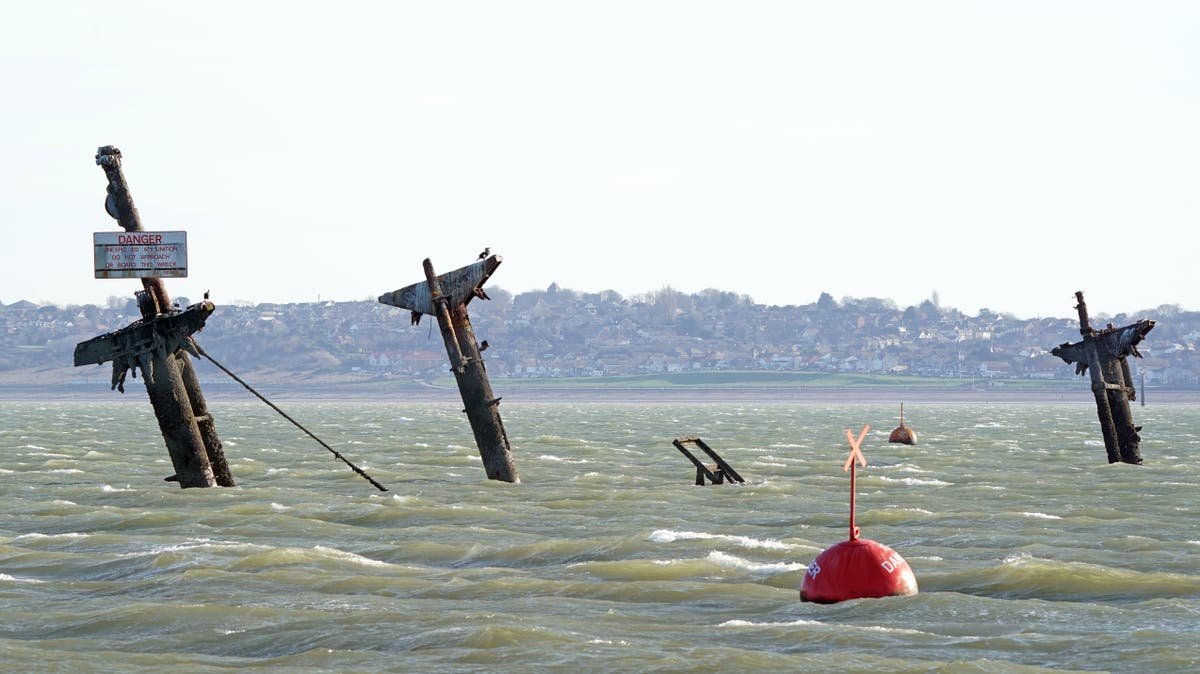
[[1099, 386], [1105, 353], [169, 398], [446, 297], [204, 421], [171, 383]]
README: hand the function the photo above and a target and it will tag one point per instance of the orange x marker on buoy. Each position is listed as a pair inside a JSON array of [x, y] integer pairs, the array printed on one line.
[[855, 452]]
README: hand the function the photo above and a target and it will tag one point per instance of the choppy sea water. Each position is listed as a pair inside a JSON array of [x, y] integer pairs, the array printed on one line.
[[1031, 552]]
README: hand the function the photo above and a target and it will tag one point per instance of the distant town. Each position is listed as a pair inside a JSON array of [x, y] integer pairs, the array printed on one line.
[[557, 333]]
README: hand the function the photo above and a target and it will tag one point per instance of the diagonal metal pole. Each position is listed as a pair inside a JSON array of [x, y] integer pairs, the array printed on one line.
[[1099, 386], [445, 297]]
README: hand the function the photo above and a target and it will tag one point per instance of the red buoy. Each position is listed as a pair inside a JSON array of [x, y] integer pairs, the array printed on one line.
[[857, 568]]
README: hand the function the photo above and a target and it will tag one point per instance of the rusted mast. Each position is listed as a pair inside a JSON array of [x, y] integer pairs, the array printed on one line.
[[171, 383], [1105, 353], [1099, 385], [479, 402], [446, 297]]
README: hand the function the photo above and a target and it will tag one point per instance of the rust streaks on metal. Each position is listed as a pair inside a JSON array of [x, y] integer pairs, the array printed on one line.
[[458, 287]]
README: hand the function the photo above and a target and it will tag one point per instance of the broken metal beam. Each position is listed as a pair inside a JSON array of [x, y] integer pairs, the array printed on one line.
[[718, 474]]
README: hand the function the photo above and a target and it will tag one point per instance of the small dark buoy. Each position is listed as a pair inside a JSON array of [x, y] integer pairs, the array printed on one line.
[[857, 568], [903, 434]]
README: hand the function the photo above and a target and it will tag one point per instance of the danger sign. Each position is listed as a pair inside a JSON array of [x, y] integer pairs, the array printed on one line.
[[140, 254]]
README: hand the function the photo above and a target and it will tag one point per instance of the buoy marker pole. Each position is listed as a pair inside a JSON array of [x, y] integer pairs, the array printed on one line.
[[856, 456]]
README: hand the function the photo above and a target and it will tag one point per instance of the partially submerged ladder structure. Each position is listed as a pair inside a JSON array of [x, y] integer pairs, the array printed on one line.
[[719, 474]]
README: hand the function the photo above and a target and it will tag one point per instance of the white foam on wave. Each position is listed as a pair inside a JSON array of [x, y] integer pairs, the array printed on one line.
[[109, 489], [552, 457], [4, 577], [919, 511], [196, 544], [915, 482], [1043, 516], [1017, 558], [891, 630], [349, 556], [783, 623], [670, 536], [37, 536], [728, 561]]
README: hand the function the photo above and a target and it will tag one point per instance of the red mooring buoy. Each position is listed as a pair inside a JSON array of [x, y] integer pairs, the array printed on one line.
[[857, 568]]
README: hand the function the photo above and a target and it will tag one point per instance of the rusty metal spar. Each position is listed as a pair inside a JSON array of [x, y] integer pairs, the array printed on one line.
[[158, 344], [1104, 353], [446, 297]]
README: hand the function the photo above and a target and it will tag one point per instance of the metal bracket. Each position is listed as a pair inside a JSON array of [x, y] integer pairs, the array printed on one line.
[[133, 346]]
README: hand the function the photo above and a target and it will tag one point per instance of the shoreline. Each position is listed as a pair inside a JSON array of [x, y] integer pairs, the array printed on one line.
[[586, 395]]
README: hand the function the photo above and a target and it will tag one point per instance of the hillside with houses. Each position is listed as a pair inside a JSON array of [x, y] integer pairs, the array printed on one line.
[[565, 333]]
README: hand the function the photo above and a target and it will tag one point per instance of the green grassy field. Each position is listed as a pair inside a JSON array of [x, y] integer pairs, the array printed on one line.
[[760, 379]]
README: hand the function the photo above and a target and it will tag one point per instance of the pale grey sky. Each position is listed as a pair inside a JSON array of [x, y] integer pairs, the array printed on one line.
[[1003, 154]]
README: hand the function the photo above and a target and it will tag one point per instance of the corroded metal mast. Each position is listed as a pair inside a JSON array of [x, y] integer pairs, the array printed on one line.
[[1104, 353], [158, 344], [446, 297]]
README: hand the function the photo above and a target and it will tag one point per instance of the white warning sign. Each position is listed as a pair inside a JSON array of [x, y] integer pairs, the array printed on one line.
[[140, 254]]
